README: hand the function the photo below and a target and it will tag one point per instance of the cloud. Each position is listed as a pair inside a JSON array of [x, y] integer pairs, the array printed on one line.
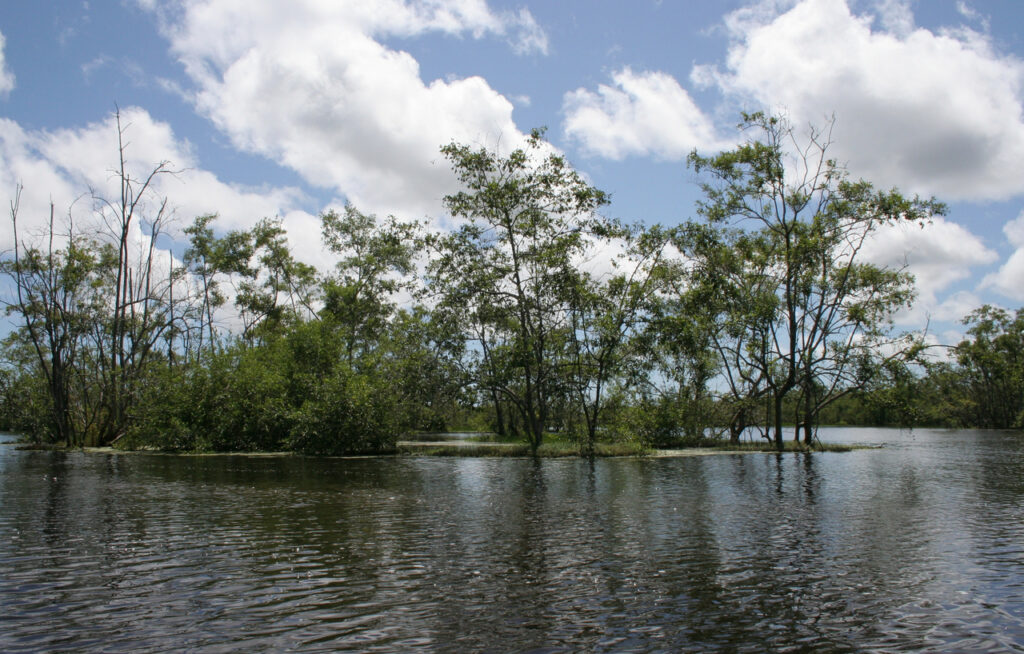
[[66, 166], [953, 308], [973, 15], [130, 69], [895, 16], [1009, 279], [6, 76], [938, 255], [935, 113], [529, 36], [310, 85], [645, 113]]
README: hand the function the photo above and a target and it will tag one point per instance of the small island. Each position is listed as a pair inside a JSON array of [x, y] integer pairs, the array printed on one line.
[[535, 317]]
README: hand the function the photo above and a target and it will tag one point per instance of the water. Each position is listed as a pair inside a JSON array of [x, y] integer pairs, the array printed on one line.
[[917, 546]]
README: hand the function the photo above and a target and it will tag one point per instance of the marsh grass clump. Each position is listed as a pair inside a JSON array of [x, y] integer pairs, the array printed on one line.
[[498, 449], [787, 446]]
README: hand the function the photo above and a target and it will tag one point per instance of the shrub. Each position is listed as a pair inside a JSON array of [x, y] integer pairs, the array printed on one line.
[[349, 413]]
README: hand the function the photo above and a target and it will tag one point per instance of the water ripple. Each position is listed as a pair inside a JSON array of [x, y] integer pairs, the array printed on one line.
[[916, 547]]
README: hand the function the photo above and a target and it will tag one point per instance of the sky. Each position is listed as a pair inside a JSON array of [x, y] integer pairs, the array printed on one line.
[[286, 109]]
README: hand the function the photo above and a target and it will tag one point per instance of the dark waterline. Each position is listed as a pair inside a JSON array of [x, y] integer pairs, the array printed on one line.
[[918, 546]]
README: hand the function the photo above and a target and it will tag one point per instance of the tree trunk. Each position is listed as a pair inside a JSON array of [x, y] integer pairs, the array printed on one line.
[[499, 416], [777, 408], [736, 426]]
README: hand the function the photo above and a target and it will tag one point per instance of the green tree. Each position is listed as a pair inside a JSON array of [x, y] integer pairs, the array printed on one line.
[[204, 260], [809, 224], [54, 299], [609, 313], [275, 289], [727, 304], [991, 367], [510, 265], [94, 308], [422, 357], [377, 259]]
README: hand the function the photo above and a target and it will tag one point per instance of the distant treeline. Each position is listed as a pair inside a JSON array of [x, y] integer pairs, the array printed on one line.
[[536, 314]]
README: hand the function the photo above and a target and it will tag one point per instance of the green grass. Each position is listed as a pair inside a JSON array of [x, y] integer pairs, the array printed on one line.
[[482, 447], [499, 449], [556, 447], [787, 446]]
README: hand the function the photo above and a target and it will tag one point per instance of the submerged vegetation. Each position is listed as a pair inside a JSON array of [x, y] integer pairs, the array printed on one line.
[[536, 316]]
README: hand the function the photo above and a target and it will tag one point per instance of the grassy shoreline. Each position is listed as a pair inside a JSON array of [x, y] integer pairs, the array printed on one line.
[[495, 449], [559, 450]]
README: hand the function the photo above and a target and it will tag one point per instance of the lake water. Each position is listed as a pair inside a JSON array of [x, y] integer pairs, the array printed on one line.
[[916, 546]]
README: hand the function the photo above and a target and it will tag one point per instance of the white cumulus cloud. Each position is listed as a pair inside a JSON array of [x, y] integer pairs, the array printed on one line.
[[938, 255], [1009, 279], [67, 166], [645, 113], [310, 84], [932, 112]]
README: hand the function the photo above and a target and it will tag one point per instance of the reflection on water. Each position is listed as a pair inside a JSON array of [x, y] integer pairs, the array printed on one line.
[[915, 546]]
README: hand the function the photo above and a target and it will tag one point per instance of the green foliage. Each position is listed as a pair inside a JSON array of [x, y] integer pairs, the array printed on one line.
[[762, 313], [790, 307], [986, 386], [293, 393], [236, 401], [421, 361], [347, 414], [278, 291], [671, 422], [509, 272], [606, 341], [376, 261], [25, 404], [61, 297]]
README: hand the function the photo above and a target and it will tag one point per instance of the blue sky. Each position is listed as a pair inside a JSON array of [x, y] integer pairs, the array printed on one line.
[[287, 108]]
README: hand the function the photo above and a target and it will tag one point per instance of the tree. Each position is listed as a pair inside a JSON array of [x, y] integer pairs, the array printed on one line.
[[376, 261], [991, 366], [275, 290], [727, 303], [95, 309], [807, 224], [53, 297], [510, 266], [608, 312], [421, 357], [141, 294], [203, 261]]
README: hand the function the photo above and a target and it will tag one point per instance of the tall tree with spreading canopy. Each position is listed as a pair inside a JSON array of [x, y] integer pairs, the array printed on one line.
[[727, 299], [511, 265], [54, 299], [808, 224], [96, 309]]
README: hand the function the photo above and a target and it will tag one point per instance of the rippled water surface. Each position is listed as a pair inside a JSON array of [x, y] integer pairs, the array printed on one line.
[[916, 546]]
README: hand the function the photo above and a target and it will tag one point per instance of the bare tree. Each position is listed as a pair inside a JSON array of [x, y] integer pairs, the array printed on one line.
[[95, 309]]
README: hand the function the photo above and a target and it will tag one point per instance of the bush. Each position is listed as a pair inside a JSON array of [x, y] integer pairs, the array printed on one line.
[[668, 423], [349, 414], [26, 407], [235, 401], [251, 411], [292, 392]]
